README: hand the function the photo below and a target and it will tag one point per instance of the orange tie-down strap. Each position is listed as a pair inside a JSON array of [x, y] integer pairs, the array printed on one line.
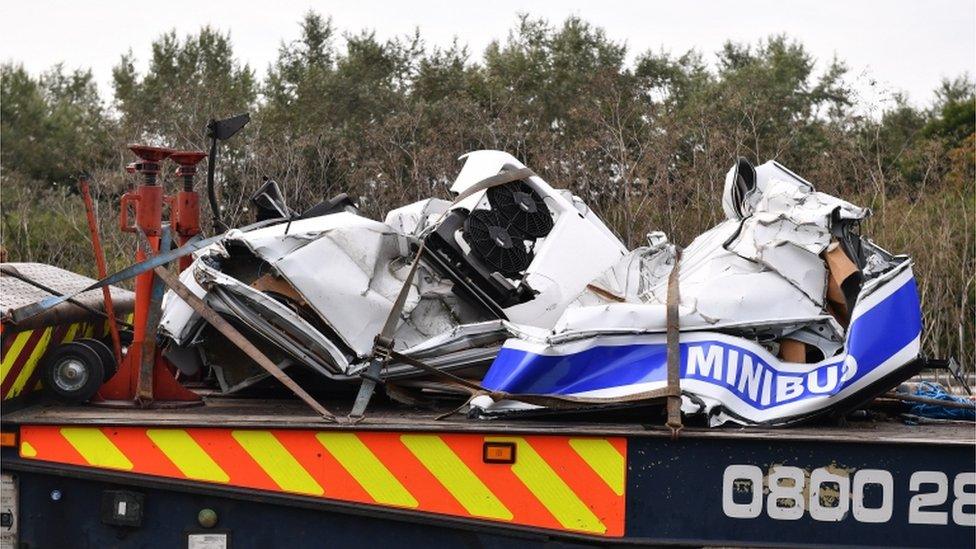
[[556, 482]]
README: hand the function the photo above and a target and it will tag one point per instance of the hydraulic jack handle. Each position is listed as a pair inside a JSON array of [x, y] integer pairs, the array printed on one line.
[[128, 199]]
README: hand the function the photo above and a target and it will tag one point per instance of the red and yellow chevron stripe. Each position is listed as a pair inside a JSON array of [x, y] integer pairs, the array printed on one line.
[[20, 352], [556, 482]]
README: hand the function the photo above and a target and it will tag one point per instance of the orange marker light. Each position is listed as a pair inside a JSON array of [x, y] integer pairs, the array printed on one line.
[[499, 452], [8, 439]]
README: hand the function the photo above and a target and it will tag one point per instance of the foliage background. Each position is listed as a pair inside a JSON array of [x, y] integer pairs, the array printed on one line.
[[646, 143]]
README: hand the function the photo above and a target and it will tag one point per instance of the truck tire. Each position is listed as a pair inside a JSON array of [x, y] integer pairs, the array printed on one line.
[[105, 353], [72, 372]]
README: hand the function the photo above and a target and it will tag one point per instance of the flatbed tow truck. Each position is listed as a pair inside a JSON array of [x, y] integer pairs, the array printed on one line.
[[135, 469], [269, 473]]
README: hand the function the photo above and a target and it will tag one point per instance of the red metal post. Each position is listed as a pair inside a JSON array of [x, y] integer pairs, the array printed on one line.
[[148, 203], [102, 271]]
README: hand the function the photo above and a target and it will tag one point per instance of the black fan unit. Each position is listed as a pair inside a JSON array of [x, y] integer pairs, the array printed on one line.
[[522, 208], [474, 282], [488, 234]]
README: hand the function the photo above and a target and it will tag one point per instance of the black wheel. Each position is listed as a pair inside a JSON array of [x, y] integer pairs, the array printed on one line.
[[105, 353], [72, 372]]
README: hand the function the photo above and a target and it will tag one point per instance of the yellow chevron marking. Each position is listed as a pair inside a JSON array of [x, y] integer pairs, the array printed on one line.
[[366, 468], [71, 333], [550, 489], [35, 355], [455, 476], [604, 459], [26, 450], [13, 352], [96, 448], [187, 455], [277, 462]]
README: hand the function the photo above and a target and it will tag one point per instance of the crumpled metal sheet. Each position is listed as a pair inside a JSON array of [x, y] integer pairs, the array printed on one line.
[[273, 243], [179, 320], [350, 269], [413, 219], [256, 309], [345, 278], [788, 229], [762, 270], [719, 289]]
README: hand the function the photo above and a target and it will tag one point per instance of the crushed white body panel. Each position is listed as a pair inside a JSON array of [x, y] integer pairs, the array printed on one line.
[[763, 269], [718, 289]]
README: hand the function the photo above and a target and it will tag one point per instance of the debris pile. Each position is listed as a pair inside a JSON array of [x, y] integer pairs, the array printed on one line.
[[785, 310]]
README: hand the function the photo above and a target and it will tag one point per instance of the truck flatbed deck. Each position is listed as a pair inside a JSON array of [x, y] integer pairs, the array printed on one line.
[[275, 474], [291, 414]]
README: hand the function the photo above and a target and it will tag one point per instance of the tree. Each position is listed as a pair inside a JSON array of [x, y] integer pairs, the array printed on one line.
[[954, 117], [188, 82], [54, 126]]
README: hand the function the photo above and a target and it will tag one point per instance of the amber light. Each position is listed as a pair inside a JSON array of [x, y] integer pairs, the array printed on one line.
[[8, 439], [499, 452]]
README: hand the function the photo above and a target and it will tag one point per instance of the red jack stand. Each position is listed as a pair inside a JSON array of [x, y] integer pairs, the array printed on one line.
[[130, 385], [184, 206]]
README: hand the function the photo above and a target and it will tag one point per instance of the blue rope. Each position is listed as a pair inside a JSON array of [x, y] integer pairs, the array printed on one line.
[[936, 391]]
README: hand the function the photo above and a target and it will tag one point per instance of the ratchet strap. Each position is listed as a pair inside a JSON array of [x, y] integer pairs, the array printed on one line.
[[27, 311], [144, 392], [674, 348], [195, 243]]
